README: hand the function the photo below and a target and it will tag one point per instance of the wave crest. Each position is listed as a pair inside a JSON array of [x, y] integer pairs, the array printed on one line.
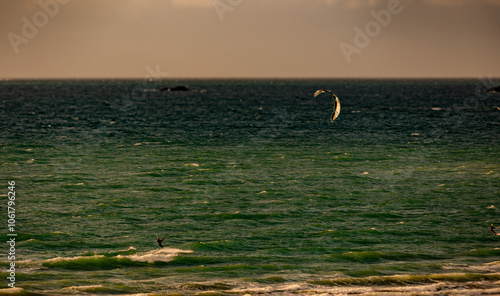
[[103, 262]]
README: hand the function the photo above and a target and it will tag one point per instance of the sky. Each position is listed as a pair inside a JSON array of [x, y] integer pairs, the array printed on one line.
[[249, 38]]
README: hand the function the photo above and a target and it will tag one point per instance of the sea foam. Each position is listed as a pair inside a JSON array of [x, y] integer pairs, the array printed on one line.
[[161, 255]]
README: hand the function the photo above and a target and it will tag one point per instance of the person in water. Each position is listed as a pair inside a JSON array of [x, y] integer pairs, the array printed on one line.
[[493, 229], [158, 240]]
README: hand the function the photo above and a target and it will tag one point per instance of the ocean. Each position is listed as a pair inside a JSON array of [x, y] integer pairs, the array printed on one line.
[[253, 188]]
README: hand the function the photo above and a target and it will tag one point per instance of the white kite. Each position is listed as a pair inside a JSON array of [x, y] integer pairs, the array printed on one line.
[[336, 102]]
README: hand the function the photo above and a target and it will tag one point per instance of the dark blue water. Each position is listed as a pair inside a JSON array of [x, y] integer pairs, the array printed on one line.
[[252, 186]]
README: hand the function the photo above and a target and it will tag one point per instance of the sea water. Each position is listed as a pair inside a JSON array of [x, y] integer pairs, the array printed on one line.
[[254, 189]]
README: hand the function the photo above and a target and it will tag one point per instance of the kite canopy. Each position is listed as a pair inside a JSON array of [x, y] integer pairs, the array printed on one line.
[[336, 103]]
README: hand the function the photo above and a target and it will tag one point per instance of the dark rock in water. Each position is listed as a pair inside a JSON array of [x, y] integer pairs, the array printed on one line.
[[177, 88], [494, 89]]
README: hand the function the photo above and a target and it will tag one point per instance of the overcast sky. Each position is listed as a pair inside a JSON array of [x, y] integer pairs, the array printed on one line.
[[249, 38]]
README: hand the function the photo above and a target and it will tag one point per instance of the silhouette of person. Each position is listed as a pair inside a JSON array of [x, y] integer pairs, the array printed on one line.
[[158, 240], [493, 229]]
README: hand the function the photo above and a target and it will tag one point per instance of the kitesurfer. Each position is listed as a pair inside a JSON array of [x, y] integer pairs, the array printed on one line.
[[493, 229], [158, 240]]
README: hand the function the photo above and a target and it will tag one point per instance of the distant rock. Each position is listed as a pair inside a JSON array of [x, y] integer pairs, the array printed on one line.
[[494, 89], [177, 88]]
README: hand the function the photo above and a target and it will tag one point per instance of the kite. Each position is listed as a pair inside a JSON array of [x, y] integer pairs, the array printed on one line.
[[336, 103]]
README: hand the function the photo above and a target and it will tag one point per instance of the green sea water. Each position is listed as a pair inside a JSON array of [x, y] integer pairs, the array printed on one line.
[[255, 191]]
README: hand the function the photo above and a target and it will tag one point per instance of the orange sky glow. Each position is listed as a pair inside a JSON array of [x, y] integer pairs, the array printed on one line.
[[249, 38]]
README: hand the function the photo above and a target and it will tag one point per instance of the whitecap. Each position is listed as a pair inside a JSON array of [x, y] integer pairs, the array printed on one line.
[[57, 259], [12, 291], [163, 255], [83, 288]]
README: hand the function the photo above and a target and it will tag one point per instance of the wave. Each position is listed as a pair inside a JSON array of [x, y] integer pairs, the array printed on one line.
[[408, 279], [99, 262], [376, 256], [114, 260], [99, 289], [220, 245], [160, 255], [388, 285], [15, 291], [479, 253], [492, 267]]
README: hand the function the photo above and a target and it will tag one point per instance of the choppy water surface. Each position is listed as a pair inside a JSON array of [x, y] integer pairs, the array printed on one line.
[[254, 189]]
